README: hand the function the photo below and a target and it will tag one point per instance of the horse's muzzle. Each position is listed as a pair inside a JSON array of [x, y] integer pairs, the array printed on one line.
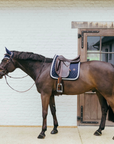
[[2, 72]]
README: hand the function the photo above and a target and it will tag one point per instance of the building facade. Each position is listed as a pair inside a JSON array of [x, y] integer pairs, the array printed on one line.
[[43, 27]]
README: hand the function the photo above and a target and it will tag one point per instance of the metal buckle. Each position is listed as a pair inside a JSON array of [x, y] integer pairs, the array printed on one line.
[[61, 88]]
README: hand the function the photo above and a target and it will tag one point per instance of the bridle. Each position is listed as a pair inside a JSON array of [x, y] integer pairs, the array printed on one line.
[[6, 74], [5, 67]]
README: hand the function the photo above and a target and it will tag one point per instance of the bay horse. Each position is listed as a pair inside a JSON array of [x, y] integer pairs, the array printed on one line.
[[94, 75]]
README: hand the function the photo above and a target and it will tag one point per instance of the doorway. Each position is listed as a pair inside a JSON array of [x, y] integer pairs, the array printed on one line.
[[93, 44]]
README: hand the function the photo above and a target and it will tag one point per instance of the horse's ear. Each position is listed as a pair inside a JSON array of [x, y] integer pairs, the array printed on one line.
[[10, 54], [7, 51]]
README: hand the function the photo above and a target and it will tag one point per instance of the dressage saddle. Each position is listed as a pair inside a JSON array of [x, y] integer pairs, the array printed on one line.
[[62, 68]]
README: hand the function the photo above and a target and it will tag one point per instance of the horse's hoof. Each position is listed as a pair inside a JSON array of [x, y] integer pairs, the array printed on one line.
[[113, 138], [98, 133], [41, 136], [54, 131]]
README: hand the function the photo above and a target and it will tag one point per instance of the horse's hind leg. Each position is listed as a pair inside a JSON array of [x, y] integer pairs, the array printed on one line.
[[111, 109], [53, 112], [104, 109]]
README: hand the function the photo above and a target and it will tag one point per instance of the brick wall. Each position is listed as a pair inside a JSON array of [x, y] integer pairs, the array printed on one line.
[[42, 27]]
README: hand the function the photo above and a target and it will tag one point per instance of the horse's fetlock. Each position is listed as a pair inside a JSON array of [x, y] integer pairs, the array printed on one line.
[[102, 128], [44, 129], [55, 125]]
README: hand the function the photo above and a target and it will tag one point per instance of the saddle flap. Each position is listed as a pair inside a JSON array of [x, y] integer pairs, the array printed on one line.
[[62, 67], [64, 72]]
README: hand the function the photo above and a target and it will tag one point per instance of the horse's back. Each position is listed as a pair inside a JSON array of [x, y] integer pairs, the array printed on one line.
[[101, 65], [101, 69]]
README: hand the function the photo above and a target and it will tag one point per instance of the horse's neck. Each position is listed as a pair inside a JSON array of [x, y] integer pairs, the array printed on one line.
[[29, 67]]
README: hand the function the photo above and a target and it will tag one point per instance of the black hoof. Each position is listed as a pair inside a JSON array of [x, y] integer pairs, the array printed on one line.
[[113, 138], [54, 131], [41, 136], [98, 133]]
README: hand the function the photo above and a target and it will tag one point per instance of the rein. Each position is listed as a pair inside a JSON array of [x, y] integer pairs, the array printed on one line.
[[17, 77], [15, 89], [23, 77]]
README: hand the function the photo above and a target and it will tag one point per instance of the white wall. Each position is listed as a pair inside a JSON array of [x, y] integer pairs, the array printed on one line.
[[42, 27]]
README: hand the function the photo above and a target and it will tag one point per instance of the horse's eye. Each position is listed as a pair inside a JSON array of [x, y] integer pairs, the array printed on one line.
[[5, 60]]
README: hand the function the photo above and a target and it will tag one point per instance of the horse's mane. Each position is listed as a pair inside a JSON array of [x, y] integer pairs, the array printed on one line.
[[30, 56]]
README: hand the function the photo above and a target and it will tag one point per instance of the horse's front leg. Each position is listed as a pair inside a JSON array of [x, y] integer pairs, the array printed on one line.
[[45, 101], [104, 109], [53, 112]]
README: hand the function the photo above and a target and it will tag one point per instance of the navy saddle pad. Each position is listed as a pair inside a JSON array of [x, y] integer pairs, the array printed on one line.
[[74, 70]]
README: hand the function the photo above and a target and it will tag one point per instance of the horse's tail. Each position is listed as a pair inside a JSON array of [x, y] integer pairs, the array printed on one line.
[[110, 114]]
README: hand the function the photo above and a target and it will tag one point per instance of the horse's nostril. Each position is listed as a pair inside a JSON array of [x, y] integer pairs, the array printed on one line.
[[1, 70]]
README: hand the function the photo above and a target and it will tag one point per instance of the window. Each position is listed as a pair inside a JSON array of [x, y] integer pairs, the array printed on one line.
[[100, 48]]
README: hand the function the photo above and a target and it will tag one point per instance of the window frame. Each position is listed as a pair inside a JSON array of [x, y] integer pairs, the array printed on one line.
[[102, 32]]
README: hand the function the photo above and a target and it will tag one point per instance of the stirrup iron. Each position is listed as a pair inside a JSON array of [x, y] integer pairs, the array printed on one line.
[[60, 88]]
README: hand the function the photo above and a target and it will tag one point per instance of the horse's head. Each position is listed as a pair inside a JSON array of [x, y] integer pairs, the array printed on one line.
[[7, 65]]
